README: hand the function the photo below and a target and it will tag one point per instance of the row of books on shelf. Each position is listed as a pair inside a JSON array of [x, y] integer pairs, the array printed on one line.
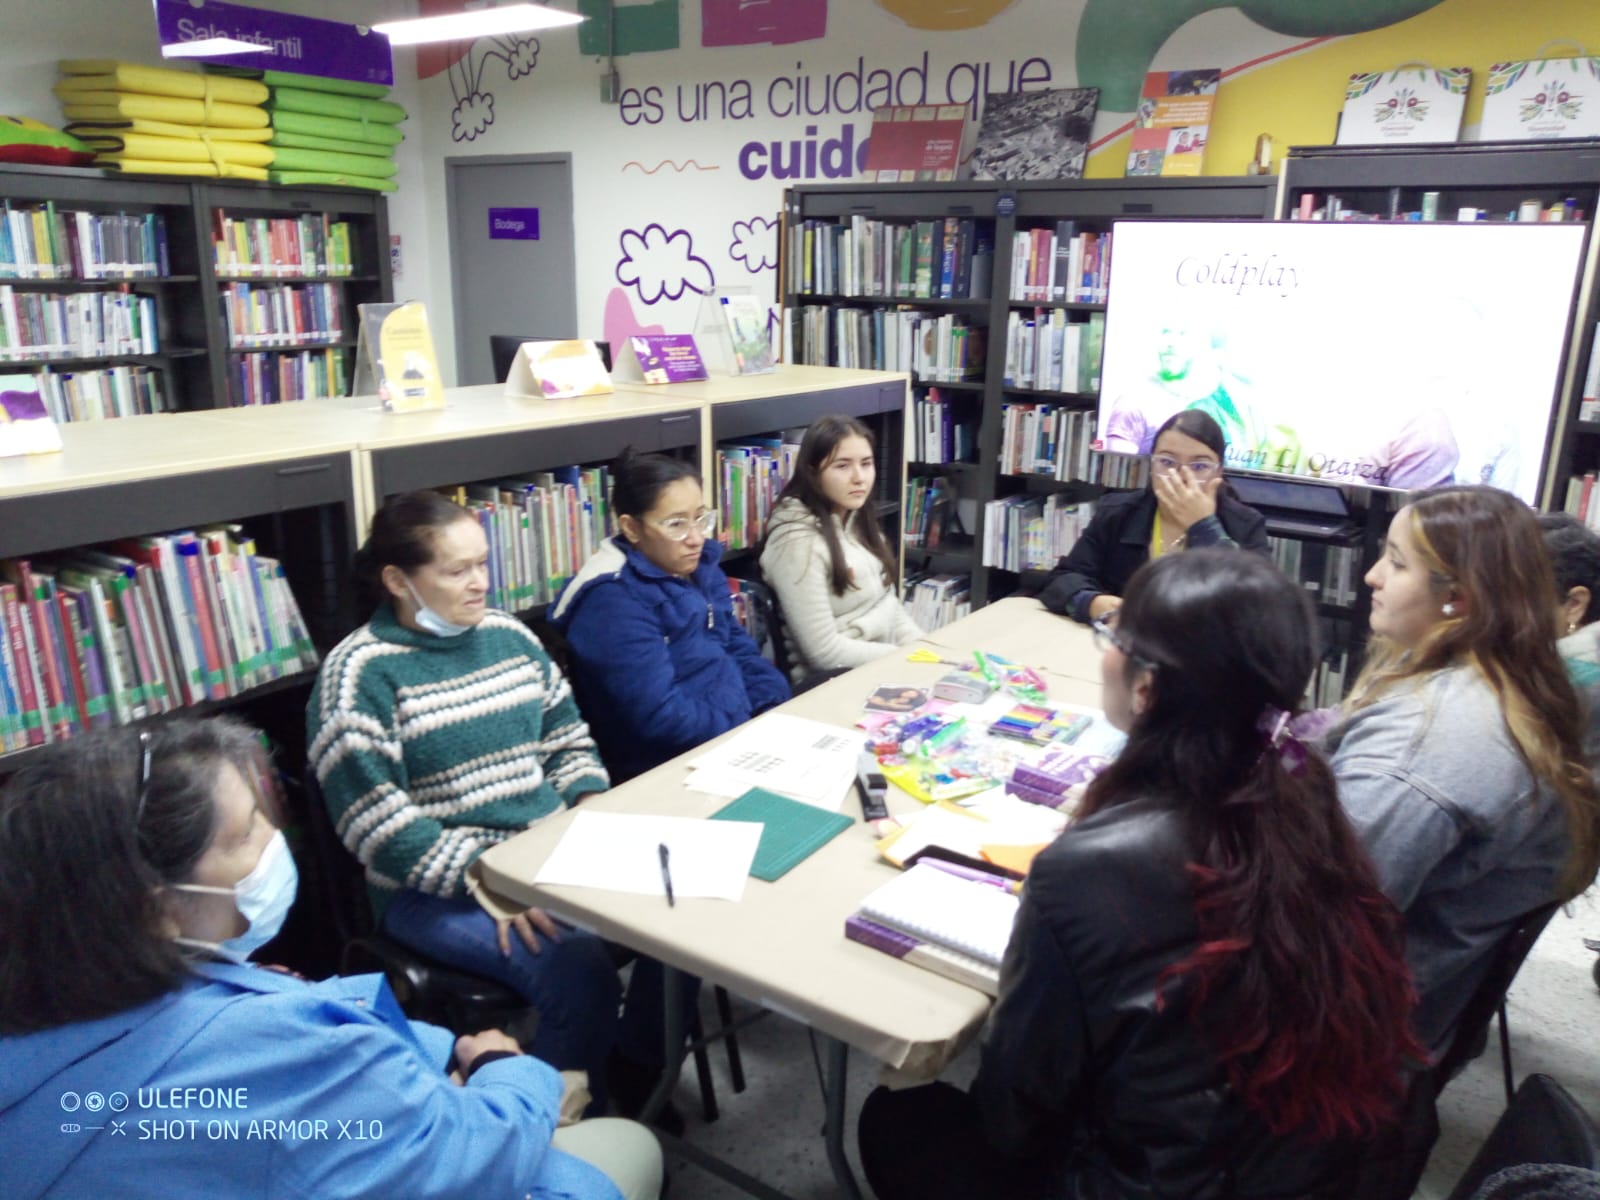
[[106, 636], [540, 530], [42, 325], [1589, 397], [124, 391], [309, 244], [933, 347], [750, 477], [930, 504], [1049, 352], [1330, 572], [279, 375], [281, 314], [1060, 264], [1333, 207], [935, 600], [40, 241], [947, 259], [1031, 533], [1047, 439], [939, 434]]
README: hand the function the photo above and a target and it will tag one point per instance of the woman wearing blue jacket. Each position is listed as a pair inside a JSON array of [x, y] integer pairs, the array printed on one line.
[[141, 1055], [659, 663]]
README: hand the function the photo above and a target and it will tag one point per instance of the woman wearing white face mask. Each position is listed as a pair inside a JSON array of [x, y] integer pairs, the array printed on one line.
[[441, 728], [137, 868]]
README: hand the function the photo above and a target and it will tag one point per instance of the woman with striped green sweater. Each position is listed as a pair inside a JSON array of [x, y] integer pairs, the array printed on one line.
[[441, 728]]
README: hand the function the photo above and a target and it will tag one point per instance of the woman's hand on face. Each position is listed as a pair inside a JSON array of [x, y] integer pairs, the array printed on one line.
[[525, 923], [1182, 499]]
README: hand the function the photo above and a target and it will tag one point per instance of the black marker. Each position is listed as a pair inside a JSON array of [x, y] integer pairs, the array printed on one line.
[[666, 875]]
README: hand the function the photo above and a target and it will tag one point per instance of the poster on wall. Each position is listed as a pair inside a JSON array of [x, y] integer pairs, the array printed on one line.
[[1173, 122], [1035, 135], [1414, 103], [1542, 98], [1271, 329]]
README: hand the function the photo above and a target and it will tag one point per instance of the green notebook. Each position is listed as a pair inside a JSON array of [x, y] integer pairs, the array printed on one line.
[[790, 831]]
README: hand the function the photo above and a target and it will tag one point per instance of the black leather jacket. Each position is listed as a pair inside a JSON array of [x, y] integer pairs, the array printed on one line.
[[1078, 1063], [1117, 543]]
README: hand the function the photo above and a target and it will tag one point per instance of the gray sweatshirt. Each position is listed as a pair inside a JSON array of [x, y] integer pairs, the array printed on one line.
[[1464, 841]]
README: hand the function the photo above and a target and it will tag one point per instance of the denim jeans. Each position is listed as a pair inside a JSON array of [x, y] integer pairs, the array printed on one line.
[[572, 983]]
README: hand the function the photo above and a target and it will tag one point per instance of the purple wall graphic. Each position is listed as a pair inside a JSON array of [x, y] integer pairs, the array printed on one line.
[[755, 244], [473, 112], [659, 265], [762, 22]]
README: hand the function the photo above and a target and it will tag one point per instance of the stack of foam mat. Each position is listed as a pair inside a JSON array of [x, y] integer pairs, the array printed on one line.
[[329, 130], [160, 121]]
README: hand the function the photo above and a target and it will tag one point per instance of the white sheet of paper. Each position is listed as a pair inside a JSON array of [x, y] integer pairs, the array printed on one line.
[[621, 852], [808, 760]]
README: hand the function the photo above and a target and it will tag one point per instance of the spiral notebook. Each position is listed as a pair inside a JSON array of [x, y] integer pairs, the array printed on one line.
[[960, 912]]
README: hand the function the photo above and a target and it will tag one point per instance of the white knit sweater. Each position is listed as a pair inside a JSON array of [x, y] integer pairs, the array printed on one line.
[[826, 631]]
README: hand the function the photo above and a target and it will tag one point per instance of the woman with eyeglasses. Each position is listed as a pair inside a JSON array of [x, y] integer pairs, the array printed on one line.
[[660, 663], [1187, 505], [825, 556], [441, 728], [141, 1055], [1204, 994]]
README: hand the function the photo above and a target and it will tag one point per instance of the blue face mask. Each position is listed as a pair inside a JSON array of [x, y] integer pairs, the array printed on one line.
[[431, 621], [262, 897]]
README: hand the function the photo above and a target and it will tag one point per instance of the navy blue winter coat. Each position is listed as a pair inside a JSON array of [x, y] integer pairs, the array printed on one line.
[[659, 663]]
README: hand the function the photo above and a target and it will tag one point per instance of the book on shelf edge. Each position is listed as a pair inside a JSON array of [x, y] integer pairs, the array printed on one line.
[[1172, 123]]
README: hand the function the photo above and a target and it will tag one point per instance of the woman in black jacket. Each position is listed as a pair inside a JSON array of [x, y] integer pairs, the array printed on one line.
[[1205, 994], [1186, 506]]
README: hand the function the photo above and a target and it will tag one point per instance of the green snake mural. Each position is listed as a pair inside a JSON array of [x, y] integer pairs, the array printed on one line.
[[1117, 39]]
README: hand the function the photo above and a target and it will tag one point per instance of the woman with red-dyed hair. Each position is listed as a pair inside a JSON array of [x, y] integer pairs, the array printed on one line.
[[1205, 993]]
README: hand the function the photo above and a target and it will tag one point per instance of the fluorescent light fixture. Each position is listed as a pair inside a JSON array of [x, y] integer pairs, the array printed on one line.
[[475, 23], [210, 47]]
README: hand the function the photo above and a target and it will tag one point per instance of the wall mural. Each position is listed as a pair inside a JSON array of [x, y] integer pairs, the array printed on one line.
[[762, 22], [659, 265], [1117, 39]]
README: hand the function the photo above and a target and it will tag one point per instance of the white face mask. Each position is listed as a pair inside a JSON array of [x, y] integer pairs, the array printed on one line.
[[262, 897], [431, 621]]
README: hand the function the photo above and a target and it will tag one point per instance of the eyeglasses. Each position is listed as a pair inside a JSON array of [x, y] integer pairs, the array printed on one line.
[[1106, 636], [144, 777], [1203, 468], [677, 529]]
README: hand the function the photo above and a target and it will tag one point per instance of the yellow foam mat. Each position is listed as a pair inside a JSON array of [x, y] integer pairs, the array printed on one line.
[[153, 166], [167, 129], [163, 149], [108, 75], [108, 106]]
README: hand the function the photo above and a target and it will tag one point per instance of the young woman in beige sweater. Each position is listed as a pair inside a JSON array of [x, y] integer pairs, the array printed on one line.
[[826, 559]]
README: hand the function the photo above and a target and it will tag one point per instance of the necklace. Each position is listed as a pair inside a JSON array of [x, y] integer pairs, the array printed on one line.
[[1169, 545]]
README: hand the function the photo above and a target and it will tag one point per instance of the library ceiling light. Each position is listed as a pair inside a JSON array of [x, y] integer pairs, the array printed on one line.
[[474, 23], [210, 48]]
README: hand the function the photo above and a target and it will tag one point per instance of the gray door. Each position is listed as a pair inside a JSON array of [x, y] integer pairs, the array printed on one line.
[[512, 259]]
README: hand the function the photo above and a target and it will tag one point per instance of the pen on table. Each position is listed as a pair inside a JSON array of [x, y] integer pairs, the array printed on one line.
[[666, 874]]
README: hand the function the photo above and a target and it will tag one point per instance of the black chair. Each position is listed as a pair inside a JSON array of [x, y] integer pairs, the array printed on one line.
[[1392, 1167], [1489, 1001], [503, 350], [763, 620], [1543, 1124], [427, 990]]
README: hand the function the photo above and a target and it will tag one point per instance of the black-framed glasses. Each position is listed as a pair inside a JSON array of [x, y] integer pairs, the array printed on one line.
[[144, 777]]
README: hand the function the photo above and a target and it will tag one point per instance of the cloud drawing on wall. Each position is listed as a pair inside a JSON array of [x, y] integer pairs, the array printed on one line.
[[659, 265], [474, 108], [755, 244], [1118, 39], [471, 116]]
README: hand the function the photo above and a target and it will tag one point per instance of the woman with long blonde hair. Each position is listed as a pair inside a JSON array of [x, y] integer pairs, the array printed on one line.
[[1459, 755]]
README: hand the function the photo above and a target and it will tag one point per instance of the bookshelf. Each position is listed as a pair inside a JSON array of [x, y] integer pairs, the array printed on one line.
[[966, 411], [269, 316], [1498, 179], [303, 479]]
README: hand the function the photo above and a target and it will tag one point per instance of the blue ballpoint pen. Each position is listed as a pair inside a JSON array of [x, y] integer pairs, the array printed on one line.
[[666, 875]]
